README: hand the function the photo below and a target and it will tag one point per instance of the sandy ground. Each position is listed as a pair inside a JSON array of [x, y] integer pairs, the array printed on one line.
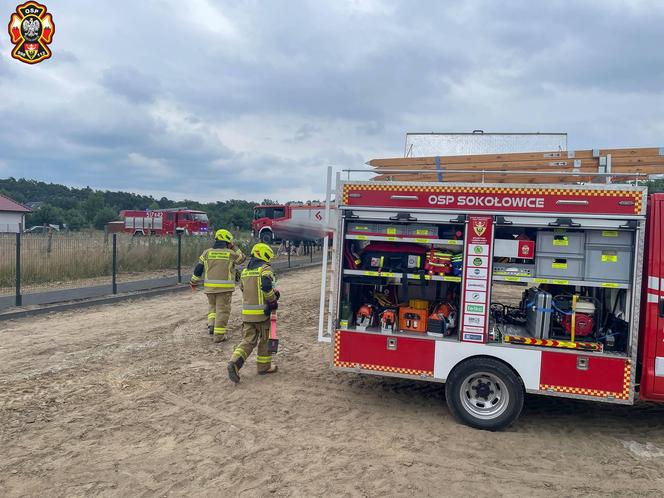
[[132, 399]]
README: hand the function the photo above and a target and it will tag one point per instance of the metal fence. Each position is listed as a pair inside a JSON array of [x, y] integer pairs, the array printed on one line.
[[56, 266]]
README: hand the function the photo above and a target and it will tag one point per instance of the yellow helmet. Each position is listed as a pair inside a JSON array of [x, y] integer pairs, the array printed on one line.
[[262, 252], [223, 235]]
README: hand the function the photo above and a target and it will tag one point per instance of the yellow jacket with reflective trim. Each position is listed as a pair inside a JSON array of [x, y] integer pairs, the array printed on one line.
[[219, 269], [254, 299]]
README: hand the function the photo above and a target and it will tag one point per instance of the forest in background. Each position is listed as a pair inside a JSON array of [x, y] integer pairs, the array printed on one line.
[[81, 208]]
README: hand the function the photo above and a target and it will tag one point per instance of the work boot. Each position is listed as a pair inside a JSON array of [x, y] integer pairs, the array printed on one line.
[[219, 338], [233, 372], [271, 370], [210, 329]]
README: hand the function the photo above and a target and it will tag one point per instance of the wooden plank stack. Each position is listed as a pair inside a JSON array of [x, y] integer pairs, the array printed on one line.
[[525, 167]]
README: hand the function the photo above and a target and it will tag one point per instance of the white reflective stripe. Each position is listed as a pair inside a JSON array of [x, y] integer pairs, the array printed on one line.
[[653, 283], [653, 298], [659, 366]]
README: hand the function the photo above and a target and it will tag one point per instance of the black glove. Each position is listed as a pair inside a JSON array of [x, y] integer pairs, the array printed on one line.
[[270, 307], [277, 293]]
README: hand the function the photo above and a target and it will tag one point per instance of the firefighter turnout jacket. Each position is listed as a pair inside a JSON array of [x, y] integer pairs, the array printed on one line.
[[258, 293], [216, 268]]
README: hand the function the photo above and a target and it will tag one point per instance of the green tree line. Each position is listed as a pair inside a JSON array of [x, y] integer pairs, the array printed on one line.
[[80, 208]]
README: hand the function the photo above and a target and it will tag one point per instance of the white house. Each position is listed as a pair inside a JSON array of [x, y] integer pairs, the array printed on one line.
[[12, 215]]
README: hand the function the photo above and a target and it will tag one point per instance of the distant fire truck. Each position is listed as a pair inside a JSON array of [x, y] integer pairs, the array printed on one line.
[[164, 222], [290, 222]]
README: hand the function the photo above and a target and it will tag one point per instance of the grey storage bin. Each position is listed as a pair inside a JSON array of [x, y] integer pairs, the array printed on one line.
[[608, 263], [420, 230], [609, 238], [513, 270], [361, 228], [559, 266], [391, 229], [560, 242]]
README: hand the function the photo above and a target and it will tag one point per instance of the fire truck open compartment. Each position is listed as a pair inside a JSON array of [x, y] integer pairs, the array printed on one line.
[[555, 296], [570, 285]]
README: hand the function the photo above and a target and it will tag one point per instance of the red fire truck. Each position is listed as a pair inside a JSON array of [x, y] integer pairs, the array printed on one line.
[[290, 222], [498, 290], [165, 222]]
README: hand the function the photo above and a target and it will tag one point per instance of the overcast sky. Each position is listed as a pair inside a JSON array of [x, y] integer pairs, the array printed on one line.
[[213, 100]]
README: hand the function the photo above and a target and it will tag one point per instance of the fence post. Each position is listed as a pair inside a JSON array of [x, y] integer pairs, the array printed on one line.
[[49, 244], [311, 251], [289, 251], [19, 297], [115, 263], [179, 257]]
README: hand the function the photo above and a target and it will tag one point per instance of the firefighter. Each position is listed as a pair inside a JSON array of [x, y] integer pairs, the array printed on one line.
[[216, 269], [259, 300]]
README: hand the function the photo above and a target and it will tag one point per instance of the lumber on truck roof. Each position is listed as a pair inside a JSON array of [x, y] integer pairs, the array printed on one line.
[[525, 167]]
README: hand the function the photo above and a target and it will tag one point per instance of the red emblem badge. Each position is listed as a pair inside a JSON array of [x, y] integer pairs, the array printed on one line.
[[31, 30], [479, 228]]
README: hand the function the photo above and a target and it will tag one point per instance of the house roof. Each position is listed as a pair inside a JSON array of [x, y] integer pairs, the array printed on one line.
[[7, 204]]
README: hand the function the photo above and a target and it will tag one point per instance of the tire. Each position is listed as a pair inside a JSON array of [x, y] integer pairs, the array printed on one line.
[[484, 393], [266, 237]]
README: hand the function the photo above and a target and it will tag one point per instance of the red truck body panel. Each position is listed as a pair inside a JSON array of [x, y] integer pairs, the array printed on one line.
[[165, 222], [291, 222], [386, 354], [651, 337]]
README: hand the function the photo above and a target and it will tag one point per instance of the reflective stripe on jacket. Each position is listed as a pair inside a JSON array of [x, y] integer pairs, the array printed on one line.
[[219, 269], [254, 299]]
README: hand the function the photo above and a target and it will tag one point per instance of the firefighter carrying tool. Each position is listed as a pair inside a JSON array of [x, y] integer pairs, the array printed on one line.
[[216, 269], [259, 300]]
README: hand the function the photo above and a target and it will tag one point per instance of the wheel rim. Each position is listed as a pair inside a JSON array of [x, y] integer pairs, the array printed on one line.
[[484, 395]]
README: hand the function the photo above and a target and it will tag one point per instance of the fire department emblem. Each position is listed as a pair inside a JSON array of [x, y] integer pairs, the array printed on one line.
[[31, 30], [479, 228]]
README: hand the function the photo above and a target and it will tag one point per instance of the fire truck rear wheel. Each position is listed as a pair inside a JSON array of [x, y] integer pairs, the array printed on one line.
[[266, 237], [484, 393]]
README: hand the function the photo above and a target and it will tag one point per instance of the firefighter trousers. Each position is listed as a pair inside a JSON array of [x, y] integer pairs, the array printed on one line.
[[255, 335], [219, 311]]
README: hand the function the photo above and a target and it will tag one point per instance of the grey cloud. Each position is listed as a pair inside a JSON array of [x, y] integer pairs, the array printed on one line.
[[131, 84], [265, 100], [371, 128], [65, 57], [5, 70], [595, 45], [305, 132]]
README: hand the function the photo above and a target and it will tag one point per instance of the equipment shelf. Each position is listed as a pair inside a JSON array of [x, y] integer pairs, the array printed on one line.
[[403, 238], [579, 283], [399, 276]]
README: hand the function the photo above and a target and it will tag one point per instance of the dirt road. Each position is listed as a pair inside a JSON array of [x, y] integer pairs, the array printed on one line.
[[132, 399]]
